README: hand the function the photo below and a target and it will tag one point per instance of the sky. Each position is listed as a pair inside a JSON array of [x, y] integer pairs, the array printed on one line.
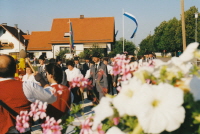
[[37, 15]]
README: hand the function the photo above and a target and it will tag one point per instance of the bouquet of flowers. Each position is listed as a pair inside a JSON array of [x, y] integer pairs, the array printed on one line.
[[157, 97]]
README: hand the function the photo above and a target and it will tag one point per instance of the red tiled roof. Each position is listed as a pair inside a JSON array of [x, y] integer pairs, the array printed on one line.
[[27, 37], [39, 41], [86, 30]]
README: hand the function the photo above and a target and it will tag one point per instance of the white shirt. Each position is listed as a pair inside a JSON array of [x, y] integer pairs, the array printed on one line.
[[34, 92], [110, 69], [31, 77], [87, 75], [72, 73]]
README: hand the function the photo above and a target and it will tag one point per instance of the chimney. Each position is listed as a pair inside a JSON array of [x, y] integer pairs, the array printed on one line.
[[27, 32], [16, 26], [81, 16], [5, 24]]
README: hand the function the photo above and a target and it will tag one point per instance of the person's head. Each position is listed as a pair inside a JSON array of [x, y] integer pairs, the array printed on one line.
[[28, 70], [96, 57], [132, 59], [105, 61], [87, 59], [54, 73], [7, 66], [150, 55], [58, 60], [91, 63], [76, 61], [41, 60], [112, 59], [70, 64]]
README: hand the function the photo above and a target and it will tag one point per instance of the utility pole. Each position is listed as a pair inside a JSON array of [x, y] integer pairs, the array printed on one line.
[[183, 24]]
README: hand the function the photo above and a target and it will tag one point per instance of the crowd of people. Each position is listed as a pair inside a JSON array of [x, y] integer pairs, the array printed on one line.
[[52, 77]]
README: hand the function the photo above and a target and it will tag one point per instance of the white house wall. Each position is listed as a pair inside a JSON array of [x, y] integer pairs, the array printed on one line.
[[10, 38]]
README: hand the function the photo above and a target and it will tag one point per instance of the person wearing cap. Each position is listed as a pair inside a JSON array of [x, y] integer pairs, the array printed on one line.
[[41, 68], [99, 75], [59, 63], [86, 65], [78, 65]]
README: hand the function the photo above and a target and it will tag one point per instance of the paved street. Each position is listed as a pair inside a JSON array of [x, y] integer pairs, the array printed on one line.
[[165, 59]]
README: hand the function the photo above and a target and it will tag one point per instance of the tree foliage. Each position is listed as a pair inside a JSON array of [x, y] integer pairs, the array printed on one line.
[[90, 51], [129, 46], [168, 35], [62, 53]]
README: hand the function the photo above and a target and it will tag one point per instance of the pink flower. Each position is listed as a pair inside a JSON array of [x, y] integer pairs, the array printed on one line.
[[116, 120], [22, 121], [38, 110], [99, 129], [86, 126], [81, 82], [51, 126]]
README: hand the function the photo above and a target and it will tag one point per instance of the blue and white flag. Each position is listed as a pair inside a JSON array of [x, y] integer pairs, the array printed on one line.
[[134, 19]]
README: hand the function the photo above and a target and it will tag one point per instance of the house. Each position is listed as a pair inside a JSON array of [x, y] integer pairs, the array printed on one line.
[[11, 40], [87, 32]]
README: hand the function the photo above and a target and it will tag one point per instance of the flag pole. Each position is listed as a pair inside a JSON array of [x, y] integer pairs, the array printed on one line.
[[123, 26], [69, 38]]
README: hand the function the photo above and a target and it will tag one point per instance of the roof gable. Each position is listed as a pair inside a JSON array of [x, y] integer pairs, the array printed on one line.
[[99, 29], [14, 32]]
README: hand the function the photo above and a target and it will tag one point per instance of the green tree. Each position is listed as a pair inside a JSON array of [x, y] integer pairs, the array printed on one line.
[[190, 24], [168, 35], [129, 46], [90, 51], [62, 53], [147, 45]]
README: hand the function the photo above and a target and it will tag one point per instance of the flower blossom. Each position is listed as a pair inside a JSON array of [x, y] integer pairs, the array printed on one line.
[[86, 126], [126, 95], [38, 110], [100, 115], [81, 82], [51, 126], [22, 121], [159, 108]]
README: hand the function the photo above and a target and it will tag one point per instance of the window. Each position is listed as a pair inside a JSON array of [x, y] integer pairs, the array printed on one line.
[[67, 49]]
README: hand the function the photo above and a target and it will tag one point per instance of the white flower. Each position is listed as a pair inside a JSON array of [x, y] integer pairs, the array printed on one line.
[[125, 95], [188, 54], [195, 88], [159, 108], [180, 65], [114, 130], [102, 111]]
